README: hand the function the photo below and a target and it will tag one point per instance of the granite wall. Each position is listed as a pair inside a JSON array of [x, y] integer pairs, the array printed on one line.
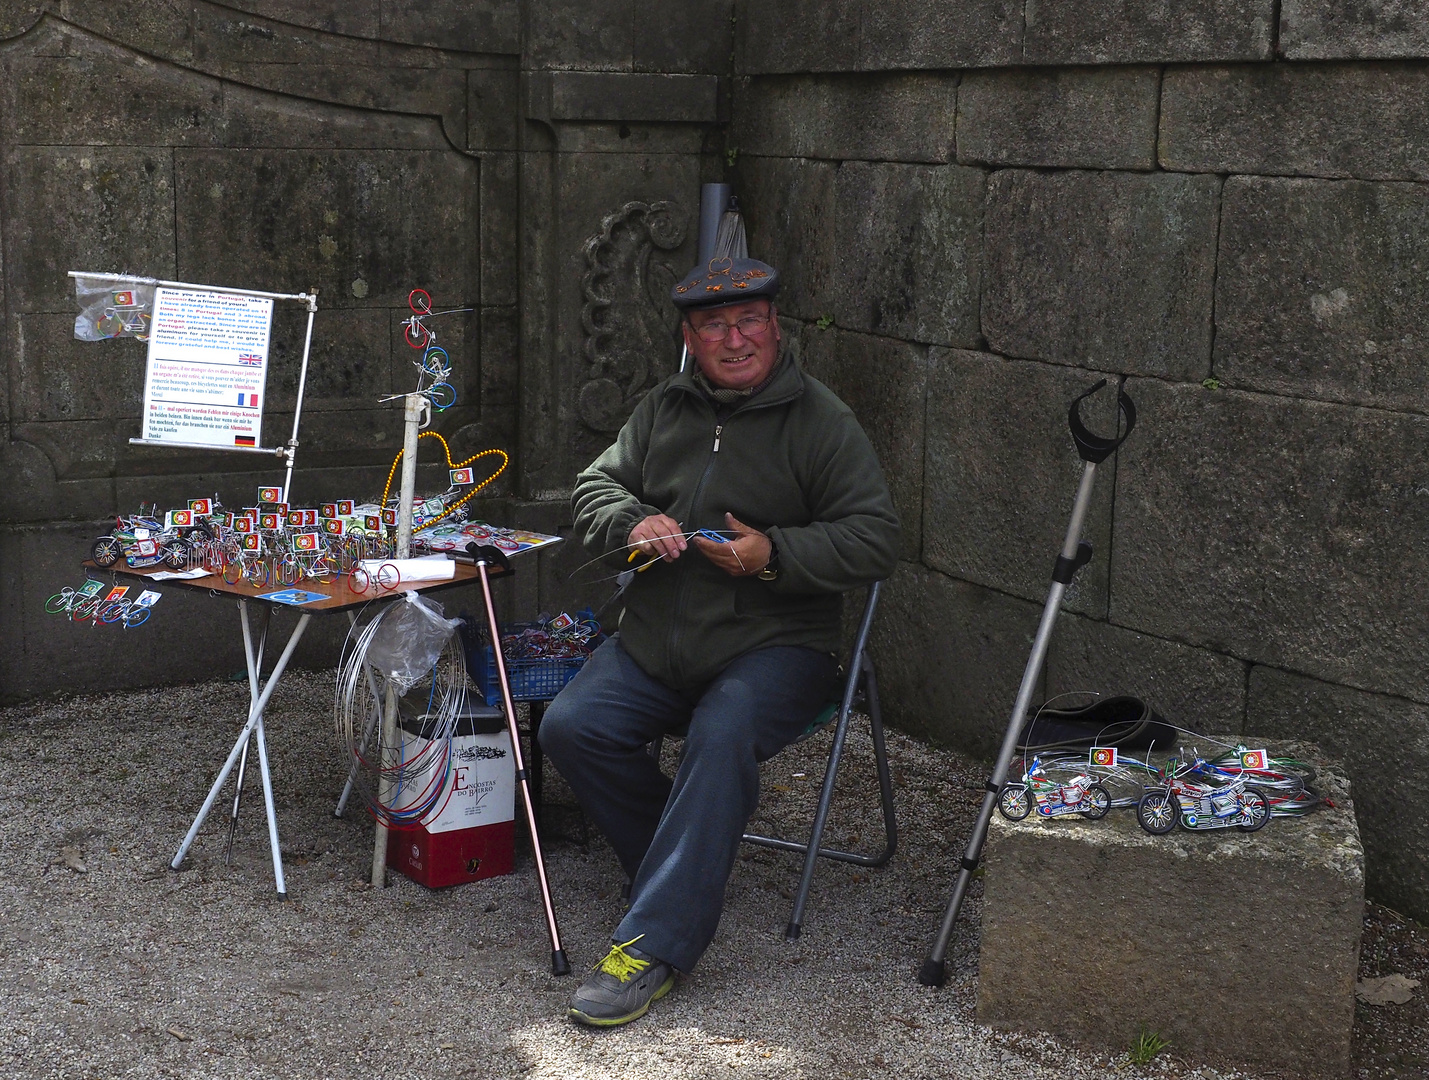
[[980, 208], [983, 207]]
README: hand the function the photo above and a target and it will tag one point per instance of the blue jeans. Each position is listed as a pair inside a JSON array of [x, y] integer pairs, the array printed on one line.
[[677, 839]]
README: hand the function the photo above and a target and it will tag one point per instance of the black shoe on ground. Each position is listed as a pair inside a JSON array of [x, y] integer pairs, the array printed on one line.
[[621, 987]]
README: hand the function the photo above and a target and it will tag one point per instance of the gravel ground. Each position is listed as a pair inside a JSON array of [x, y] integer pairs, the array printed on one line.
[[111, 965]]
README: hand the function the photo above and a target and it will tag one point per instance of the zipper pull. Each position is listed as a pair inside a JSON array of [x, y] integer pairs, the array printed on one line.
[[718, 429]]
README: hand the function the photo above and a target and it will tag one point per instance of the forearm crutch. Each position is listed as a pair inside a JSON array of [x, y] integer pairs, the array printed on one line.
[[1076, 553], [485, 556]]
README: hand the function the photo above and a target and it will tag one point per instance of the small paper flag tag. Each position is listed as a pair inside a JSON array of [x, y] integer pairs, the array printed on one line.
[[305, 542], [270, 495], [463, 476], [328, 510], [389, 517], [344, 507], [116, 593], [372, 522], [333, 525], [201, 506], [1254, 760], [251, 541], [90, 588], [148, 598], [178, 519], [1103, 756], [268, 521], [243, 524]]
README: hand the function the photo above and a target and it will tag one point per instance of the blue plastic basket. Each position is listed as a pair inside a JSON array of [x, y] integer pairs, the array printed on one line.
[[538, 679]]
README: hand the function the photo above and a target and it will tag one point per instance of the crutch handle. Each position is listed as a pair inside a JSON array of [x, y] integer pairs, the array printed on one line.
[[1097, 448]]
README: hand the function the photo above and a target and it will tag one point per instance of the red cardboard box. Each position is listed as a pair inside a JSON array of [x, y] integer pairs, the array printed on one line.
[[470, 832]]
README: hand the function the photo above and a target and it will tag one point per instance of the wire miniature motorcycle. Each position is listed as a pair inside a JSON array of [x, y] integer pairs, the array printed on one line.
[[1079, 795], [1199, 806]]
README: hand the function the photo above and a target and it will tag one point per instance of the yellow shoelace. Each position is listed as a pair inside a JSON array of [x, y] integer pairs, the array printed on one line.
[[619, 963]]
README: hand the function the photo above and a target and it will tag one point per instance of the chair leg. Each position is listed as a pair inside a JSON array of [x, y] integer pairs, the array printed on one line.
[[880, 758]]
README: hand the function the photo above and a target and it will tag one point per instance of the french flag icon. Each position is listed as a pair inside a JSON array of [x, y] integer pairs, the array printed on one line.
[[248, 401]]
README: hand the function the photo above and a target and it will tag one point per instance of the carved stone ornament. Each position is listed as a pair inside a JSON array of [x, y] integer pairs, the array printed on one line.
[[631, 328]]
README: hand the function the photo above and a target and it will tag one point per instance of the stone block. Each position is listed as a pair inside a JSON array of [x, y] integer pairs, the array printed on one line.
[[260, 118], [1336, 120], [16, 18], [1104, 270], [950, 657], [936, 34], [695, 38], [585, 35], [788, 207], [1192, 688], [354, 18], [1284, 531], [1079, 118], [291, 220], [226, 35], [157, 28], [1002, 474], [257, 119], [500, 203], [1368, 29], [102, 208], [626, 96], [918, 232], [493, 26], [101, 95], [32, 459], [1321, 290], [1147, 31], [64, 379], [643, 139], [500, 358], [350, 363], [1094, 930], [493, 109], [1384, 744], [884, 381], [902, 117], [797, 36]]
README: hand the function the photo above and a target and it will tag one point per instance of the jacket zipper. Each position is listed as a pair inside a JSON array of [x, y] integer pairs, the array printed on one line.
[[680, 592]]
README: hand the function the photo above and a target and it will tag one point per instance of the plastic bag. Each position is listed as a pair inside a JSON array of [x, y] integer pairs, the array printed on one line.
[[409, 641], [112, 307]]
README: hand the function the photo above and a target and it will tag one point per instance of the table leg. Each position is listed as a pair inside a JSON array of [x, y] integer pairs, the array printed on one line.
[[255, 716], [255, 669]]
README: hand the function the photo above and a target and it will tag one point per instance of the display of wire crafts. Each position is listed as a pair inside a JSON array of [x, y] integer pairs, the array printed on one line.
[[541, 656], [1057, 783]]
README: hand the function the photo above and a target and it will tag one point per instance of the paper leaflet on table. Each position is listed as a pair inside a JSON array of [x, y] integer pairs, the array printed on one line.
[[111, 308], [457, 535]]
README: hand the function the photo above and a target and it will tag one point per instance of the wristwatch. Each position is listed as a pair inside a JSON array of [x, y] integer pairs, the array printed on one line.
[[771, 568]]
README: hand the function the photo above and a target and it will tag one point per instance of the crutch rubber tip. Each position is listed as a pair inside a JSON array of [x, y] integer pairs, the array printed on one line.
[[559, 964], [933, 973], [282, 896], [792, 931]]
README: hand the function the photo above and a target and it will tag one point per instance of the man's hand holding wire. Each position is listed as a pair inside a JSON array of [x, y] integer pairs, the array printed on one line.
[[659, 536], [747, 553]]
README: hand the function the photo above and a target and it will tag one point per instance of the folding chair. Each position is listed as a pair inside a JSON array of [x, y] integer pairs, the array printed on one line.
[[860, 689]]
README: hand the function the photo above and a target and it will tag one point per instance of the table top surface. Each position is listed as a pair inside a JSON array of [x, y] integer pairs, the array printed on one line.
[[338, 594]]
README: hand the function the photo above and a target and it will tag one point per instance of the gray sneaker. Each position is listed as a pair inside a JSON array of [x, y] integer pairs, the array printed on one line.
[[621, 987]]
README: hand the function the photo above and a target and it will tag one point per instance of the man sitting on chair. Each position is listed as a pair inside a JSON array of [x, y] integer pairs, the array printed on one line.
[[734, 637]]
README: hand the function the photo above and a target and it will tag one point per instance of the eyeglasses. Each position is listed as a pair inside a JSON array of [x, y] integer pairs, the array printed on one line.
[[749, 326]]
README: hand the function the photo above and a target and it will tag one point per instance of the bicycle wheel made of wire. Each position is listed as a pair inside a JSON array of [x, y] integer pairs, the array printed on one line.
[[416, 334], [137, 618], [1098, 801], [60, 602], [442, 395], [106, 551], [1157, 812], [420, 301]]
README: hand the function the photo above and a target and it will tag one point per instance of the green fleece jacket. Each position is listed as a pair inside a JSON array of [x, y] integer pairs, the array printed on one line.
[[792, 462]]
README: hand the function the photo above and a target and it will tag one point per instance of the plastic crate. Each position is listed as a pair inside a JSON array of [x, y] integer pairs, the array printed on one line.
[[538, 679]]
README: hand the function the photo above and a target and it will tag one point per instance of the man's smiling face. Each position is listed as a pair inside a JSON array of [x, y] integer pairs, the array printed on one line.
[[736, 360]]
